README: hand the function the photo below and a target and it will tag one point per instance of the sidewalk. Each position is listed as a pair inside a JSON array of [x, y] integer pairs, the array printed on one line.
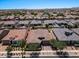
[[40, 53]]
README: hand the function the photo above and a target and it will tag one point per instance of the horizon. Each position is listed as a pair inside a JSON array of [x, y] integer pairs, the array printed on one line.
[[41, 8], [38, 4]]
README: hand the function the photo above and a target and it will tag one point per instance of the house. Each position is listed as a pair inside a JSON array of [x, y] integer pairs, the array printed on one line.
[[63, 34], [61, 23], [1, 24], [70, 22], [8, 24], [35, 23], [45, 15], [39, 35], [3, 33], [51, 22], [14, 35], [23, 24], [76, 30], [75, 22]]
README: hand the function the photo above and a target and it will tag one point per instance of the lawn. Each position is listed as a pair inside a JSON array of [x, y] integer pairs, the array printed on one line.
[[33, 47]]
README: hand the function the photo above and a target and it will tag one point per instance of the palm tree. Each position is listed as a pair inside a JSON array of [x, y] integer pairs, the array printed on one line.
[[23, 44]]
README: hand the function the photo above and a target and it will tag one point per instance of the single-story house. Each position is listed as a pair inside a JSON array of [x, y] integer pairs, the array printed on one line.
[[39, 35], [1, 24], [23, 24], [76, 30], [14, 35], [63, 34], [3, 33], [75, 22], [51, 22], [35, 23], [8, 24]]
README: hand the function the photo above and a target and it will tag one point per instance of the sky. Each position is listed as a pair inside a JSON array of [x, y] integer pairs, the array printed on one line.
[[37, 4]]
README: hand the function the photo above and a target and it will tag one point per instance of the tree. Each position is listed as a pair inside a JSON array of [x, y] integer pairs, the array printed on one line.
[[33, 13], [9, 49], [47, 13], [60, 14], [69, 26], [58, 44], [47, 26], [23, 44], [51, 16]]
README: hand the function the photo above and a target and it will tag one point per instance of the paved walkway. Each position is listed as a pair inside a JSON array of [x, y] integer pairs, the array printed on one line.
[[40, 53]]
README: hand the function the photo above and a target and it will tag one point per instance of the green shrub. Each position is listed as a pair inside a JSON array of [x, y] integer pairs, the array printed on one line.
[[33, 47], [58, 44]]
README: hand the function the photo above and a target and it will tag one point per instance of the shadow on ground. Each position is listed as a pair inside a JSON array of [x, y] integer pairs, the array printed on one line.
[[34, 55]]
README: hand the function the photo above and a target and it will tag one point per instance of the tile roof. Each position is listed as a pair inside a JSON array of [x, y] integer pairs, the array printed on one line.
[[17, 34], [60, 34]]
